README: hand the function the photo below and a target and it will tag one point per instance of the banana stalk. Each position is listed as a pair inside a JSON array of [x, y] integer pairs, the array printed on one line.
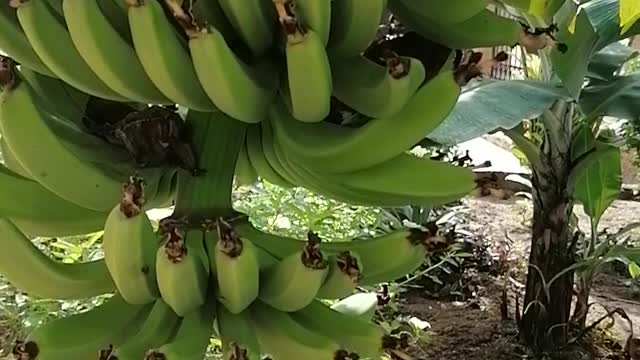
[[216, 144]]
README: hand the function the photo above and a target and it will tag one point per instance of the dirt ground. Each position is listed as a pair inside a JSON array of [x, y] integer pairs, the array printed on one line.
[[473, 329]]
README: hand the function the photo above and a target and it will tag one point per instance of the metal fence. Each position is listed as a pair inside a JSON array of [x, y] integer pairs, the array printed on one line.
[[514, 67]]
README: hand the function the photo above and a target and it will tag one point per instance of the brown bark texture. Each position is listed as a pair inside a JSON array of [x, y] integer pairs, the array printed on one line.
[[547, 303]]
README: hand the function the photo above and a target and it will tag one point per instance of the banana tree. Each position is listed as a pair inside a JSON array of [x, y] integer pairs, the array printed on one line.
[[575, 91]]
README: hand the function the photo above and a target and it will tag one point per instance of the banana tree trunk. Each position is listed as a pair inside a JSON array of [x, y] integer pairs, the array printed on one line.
[[548, 295]]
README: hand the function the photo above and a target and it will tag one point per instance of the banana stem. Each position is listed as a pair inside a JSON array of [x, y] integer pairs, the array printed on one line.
[[217, 140]]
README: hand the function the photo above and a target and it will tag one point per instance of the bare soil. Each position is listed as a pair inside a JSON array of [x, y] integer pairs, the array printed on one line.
[[474, 328]]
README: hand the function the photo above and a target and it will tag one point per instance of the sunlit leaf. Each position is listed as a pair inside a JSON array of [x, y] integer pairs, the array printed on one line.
[[596, 26], [634, 270], [629, 13]]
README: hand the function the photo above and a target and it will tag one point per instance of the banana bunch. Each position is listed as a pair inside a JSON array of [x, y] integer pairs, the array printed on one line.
[[173, 289], [292, 66], [265, 279], [62, 180], [300, 93]]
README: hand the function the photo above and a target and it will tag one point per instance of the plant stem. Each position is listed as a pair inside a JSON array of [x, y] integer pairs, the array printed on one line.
[[419, 275], [594, 235], [216, 141]]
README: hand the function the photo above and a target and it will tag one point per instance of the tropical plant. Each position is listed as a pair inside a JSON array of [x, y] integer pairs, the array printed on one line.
[[572, 158], [174, 99]]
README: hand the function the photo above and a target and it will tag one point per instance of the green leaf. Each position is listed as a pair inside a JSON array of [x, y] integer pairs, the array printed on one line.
[[629, 13], [606, 62], [634, 270], [599, 184], [488, 105], [624, 254], [572, 65], [583, 141], [597, 25], [619, 97]]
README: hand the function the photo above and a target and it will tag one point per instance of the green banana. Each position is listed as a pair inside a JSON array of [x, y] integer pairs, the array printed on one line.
[[265, 259], [268, 149], [241, 91], [309, 84], [258, 160], [384, 252], [46, 277], [57, 97], [166, 191], [400, 270], [374, 90], [113, 162], [292, 169], [332, 187], [192, 338], [354, 25], [315, 15], [378, 258], [42, 154], [183, 271], [115, 13], [278, 246], [245, 173], [289, 339], [10, 161], [361, 305], [48, 35], [14, 42], [164, 56], [485, 29], [70, 131], [25, 198], [38, 212], [237, 269], [110, 56], [238, 335], [447, 12], [253, 20], [83, 335], [343, 276], [353, 334], [130, 245], [159, 326], [332, 148], [422, 180], [294, 282]]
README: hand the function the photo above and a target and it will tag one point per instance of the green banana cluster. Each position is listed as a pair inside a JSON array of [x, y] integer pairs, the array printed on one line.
[[174, 287], [292, 66], [272, 88]]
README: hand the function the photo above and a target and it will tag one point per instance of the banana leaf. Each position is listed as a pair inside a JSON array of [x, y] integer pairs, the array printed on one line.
[[629, 13], [624, 254], [600, 183], [597, 25], [607, 62], [619, 98], [487, 105]]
